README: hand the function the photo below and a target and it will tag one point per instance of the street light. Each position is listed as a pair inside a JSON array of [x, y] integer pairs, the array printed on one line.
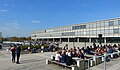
[[100, 39]]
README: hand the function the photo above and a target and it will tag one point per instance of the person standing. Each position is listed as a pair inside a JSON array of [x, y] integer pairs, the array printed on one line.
[[18, 50], [13, 54]]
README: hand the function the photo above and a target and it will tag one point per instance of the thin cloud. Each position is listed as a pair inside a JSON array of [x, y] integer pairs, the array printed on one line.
[[3, 10], [35, 21], [9, 5], [11, 28]]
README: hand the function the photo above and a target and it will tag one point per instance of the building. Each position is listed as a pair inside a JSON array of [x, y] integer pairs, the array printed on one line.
[[0, 36], [82, 33]]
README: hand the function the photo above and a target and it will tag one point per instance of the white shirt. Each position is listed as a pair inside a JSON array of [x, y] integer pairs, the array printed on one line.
[[57, 57]]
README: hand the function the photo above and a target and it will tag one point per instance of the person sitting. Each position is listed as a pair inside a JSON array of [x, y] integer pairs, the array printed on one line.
[[99, 51], [69, 60], [87, 50], [119, 47], [63, 59], [65, 47], [58, 56], [34, 50], [81, 55], [83, 50], [110, 50]]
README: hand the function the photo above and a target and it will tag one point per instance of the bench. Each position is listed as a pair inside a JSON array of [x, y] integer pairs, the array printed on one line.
[[61, 64], [52, 60]]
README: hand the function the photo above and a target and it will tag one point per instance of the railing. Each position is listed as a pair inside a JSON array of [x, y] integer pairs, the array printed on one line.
[[103, 58], [82, 64]]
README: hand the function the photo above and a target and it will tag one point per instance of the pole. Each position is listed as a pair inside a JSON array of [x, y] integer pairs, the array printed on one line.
[[105, 61], [88, 64]]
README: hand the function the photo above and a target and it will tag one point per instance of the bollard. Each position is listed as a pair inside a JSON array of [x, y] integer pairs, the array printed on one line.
[[78, 63], [105, 54], [88, 64], [94, 59], [102, 58], [92, 63], [52, 57], [47, 61]]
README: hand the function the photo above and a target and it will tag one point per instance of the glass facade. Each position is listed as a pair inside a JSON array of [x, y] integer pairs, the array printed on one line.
[[111, 23], [116, 30], [108, 28], [79, 27]]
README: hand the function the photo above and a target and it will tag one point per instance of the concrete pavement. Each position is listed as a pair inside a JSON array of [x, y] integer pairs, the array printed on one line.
[[28, 62], [36, 61]]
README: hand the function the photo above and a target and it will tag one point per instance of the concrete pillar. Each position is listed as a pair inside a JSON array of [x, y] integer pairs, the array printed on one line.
[[89, 40], [68, 40], [53, 40], [105, 40], [60, 40], [77, 39]]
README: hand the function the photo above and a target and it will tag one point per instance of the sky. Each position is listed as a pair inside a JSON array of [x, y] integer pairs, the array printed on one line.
[[21, 17]]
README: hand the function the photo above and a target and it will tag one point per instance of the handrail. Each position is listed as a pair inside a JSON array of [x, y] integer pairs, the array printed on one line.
[[105, 54]]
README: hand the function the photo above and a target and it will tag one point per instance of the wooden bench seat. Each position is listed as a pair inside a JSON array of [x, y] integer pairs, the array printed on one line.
[[61, 64]]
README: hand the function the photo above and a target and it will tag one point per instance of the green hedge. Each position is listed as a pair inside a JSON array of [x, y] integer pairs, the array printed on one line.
[[36, 46]]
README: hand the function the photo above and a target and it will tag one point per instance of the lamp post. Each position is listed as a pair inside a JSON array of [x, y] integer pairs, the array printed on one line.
[[100, 39], [85, 42]]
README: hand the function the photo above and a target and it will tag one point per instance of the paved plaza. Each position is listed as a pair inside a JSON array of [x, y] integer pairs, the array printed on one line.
[[36, 61], [28, 62]]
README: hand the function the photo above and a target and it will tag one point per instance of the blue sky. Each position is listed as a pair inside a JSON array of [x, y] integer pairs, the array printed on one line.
[[20, 17]]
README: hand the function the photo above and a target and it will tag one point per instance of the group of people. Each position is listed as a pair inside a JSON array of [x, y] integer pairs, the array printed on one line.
[[51, 46], [15, 49], [66, 55]]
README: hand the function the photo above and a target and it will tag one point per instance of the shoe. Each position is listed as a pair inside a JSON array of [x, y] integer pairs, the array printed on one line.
[[17, 63]]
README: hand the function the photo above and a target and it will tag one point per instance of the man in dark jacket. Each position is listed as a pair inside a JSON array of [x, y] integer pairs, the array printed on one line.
[[18, 49], [13, 54]]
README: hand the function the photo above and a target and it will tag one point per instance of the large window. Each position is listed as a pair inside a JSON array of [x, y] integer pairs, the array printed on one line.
[[118, 22], [113, 39], [68, 33], [111, 23], [116, 30], [83, 26], [79, 27], [76, 27], [72, 39], [83, 39]]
